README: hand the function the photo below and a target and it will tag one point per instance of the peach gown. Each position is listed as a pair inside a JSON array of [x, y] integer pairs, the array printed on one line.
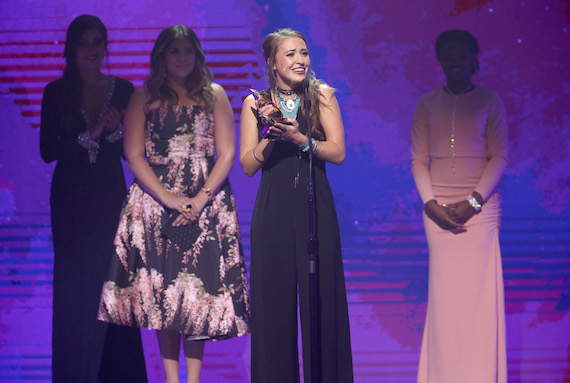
[[464, 334]]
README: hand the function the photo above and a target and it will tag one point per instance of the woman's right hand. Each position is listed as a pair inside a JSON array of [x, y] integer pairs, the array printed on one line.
[[96, 130], [112, 118], [108, 122], [249, 137], [266, 109], [183, 205], [264, 112], [440, 216]]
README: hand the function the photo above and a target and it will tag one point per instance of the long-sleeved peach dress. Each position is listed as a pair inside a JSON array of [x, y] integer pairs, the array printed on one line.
[[460, 145]]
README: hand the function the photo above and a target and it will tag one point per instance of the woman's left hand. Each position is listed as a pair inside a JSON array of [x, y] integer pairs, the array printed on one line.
[[198, 203], [286, 132], [112, 118], [461, 211]]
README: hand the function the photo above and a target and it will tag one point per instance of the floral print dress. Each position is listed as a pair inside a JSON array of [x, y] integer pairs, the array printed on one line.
[[201, 292]]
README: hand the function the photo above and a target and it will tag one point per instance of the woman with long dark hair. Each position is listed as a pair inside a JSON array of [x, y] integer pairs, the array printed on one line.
[[81, 130], [192, 286], [279, 227], [459, 151]]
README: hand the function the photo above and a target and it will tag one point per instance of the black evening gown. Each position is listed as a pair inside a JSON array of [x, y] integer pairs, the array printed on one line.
[[85, 203], [279, 269]]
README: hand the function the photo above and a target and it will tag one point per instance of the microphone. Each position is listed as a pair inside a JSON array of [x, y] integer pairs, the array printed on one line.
[[305, 84]]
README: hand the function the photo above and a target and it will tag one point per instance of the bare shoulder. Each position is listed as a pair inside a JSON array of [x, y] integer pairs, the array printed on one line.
[[327, 96], [327, 93], [220, 95], [140, 96], [249, 101], [217, 89]]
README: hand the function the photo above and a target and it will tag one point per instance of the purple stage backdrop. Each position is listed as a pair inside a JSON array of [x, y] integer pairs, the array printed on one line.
[[380, 57]]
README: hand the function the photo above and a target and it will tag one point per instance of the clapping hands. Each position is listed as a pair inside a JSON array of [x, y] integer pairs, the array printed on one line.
[[109, 122]]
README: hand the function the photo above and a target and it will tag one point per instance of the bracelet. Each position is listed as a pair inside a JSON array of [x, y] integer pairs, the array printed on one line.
[[317, 147], [208, 191], [256, 157], [116, 135], [478, 197], [474, 203], [305, 146]]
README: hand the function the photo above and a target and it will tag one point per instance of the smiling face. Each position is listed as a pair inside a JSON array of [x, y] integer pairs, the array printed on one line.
[[90, 50], [292, 62], [180, 59], [457, 62]]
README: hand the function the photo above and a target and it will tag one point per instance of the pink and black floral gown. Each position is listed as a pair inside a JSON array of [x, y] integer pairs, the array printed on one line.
[[203, 291]]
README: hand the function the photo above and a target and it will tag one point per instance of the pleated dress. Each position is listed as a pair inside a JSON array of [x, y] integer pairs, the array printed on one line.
[[464, 334]]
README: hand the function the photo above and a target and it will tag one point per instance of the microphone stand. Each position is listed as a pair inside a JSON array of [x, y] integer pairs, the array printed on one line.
[[312, 242]]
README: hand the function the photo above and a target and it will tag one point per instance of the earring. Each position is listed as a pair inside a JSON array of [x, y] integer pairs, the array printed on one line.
[[476, 66]]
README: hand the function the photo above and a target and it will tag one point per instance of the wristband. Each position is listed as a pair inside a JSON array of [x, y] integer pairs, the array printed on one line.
[[316, 147], [474, 203], [208, 192], [305, 147], [478, 197], [256, 157]]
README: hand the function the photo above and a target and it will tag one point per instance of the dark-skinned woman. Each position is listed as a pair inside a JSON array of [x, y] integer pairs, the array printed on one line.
[[459, 151]]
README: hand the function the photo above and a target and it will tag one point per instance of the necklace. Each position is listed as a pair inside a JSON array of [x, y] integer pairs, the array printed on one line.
[[286, 92], [288, 107], [455, 98]]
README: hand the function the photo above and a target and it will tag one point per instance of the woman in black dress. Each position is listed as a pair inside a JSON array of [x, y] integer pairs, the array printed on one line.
[[81, 130], [279, 228]]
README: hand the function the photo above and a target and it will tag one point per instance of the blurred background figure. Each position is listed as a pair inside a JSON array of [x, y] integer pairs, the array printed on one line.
[[459, 151], [81, 129]]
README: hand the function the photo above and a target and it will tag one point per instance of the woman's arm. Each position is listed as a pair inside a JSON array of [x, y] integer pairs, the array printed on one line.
[[497, 152], [249, 137], [134, 144], [225, 138], [52, 145], [420, 153], [420, 170], [333, 149], [497, 148], [114, 132]]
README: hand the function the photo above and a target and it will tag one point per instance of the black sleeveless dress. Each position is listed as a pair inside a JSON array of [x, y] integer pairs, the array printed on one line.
[[279, 269]]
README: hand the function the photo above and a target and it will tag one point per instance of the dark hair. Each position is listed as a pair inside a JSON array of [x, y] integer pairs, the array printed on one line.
[[75, 32], [198, 84], [456, 36], [270, 47], [71, 97]]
